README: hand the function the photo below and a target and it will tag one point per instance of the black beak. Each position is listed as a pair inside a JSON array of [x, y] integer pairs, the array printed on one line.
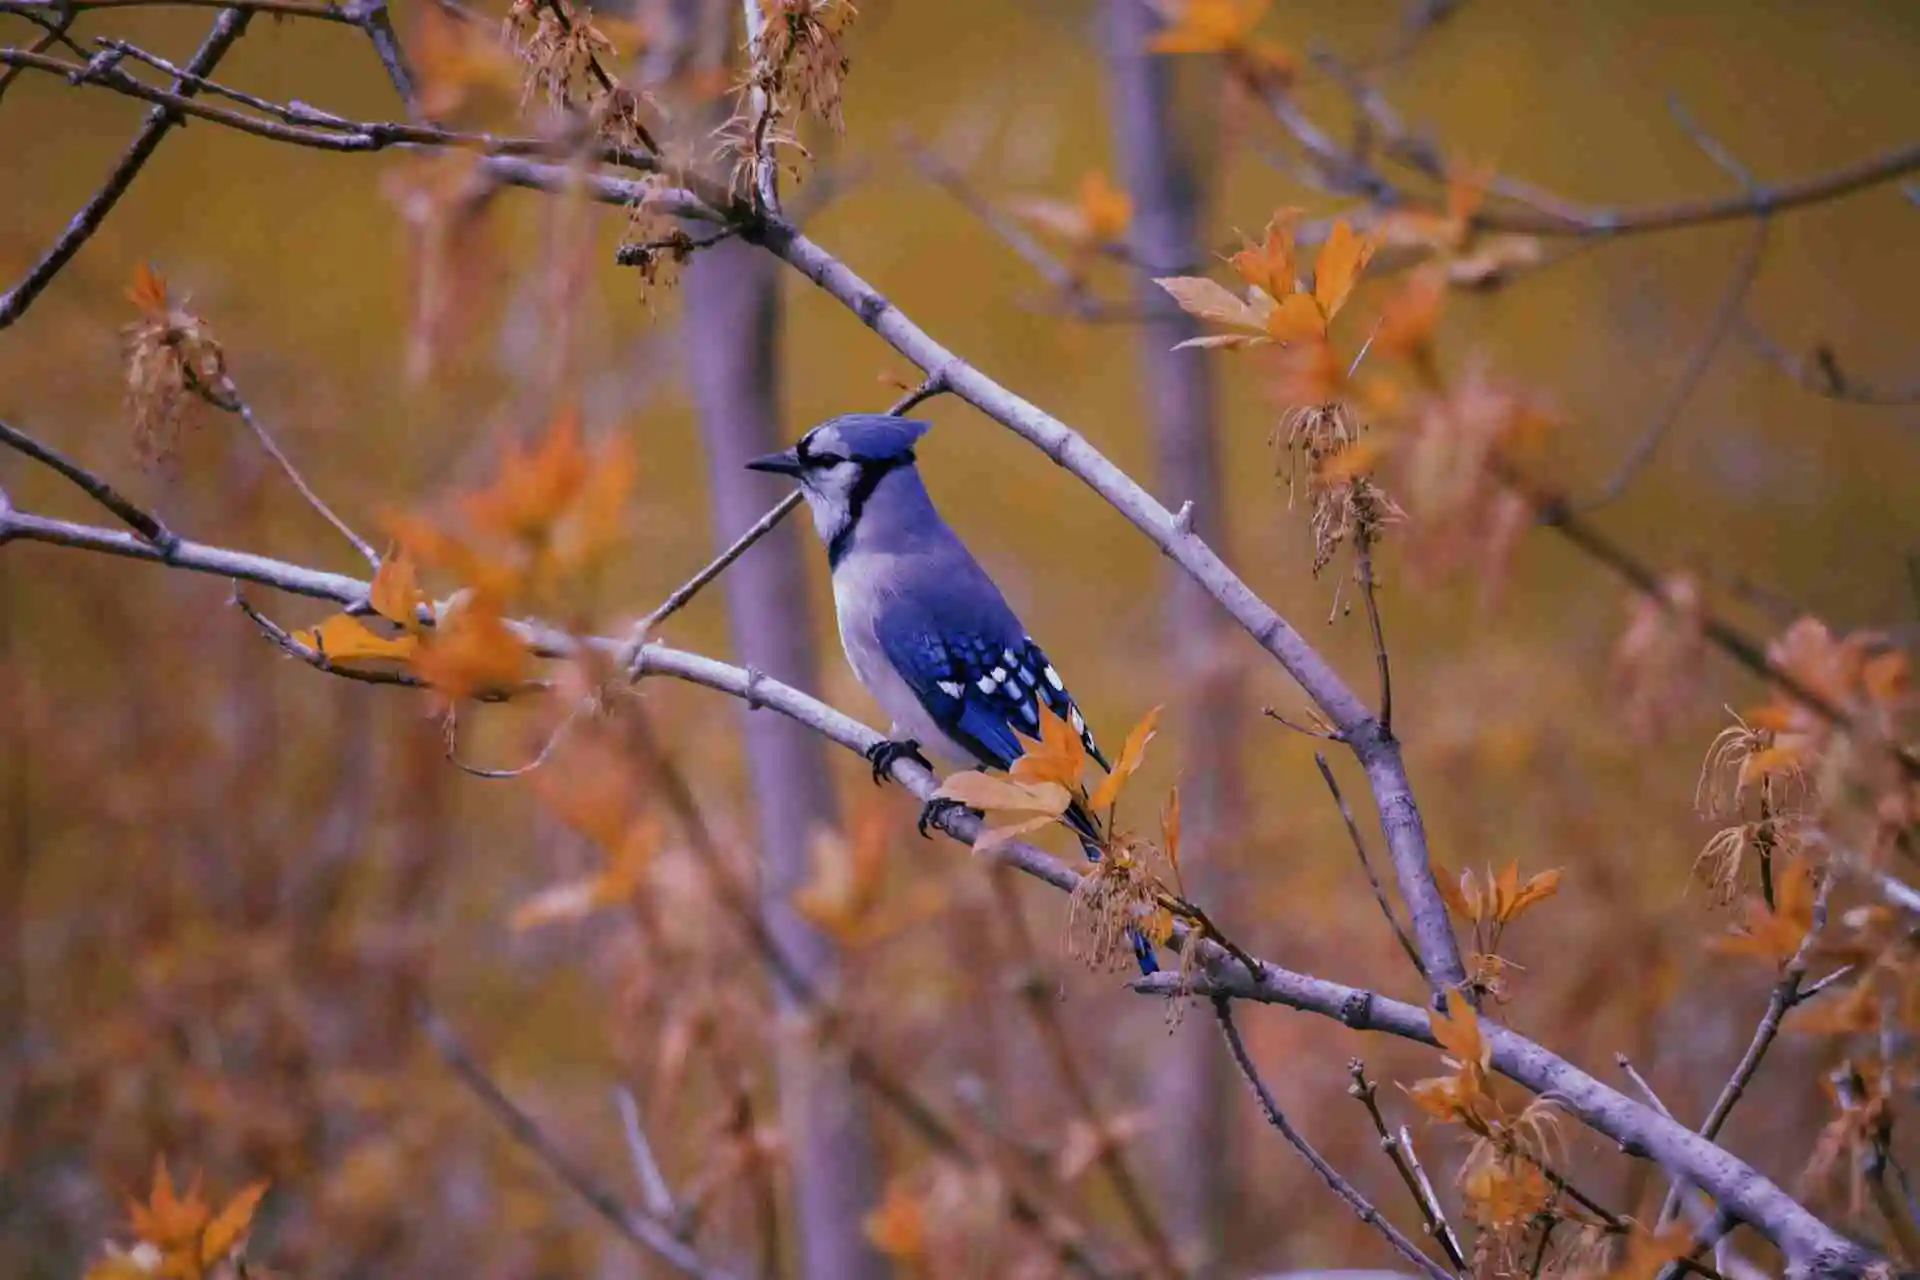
[[784, 463]]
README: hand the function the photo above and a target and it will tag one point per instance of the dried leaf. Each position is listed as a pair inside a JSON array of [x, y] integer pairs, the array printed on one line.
[[1342, 258], [1458, 1031], [472, 650], [897, 1227], [995, 794], [613, 886], [1297, 318], [229, 1227], [148, 290], [396, 594], [344, 638], [1268, 264], [1131, 757], [1538, 888], [1213, 302], [1060, 756]]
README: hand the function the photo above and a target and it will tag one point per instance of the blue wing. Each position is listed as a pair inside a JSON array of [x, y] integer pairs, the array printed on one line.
[[982, 686]]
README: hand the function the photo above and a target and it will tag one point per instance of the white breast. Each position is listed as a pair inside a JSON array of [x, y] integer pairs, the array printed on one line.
[[860, 596]]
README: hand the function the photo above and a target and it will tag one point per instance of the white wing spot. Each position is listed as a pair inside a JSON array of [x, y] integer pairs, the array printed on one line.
[[1079, 725], [952, 688], [1026, 677], [985, 685], [1053, 678], [1006, 656], [999, 675]]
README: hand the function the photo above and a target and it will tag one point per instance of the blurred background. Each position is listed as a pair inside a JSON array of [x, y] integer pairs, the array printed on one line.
[[228, 879]]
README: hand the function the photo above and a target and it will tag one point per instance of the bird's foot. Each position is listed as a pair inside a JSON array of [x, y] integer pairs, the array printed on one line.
[[936, 809], [883, 755]]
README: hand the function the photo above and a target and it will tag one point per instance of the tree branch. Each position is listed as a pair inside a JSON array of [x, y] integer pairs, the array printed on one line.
[[227, 28], [1639, 1130]]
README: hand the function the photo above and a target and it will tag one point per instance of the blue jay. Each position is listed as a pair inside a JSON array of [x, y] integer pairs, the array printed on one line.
[[924, 627]]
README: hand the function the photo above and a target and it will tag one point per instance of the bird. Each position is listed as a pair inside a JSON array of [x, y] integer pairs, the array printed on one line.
[[925, 629]]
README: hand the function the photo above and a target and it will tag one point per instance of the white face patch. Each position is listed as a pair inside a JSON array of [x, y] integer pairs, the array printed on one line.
[[829, 494]]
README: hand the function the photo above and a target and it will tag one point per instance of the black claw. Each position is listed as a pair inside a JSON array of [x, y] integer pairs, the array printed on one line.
[[883, 755], [934, 810]]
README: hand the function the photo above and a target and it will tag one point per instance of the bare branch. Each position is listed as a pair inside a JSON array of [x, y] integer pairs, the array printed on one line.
[[1821, 372], [1638, 1129], [1361, 1206], [644, 1230], [141, 522], [1421, 1191], [227, 28], [1640, 1082], [653, 1184], [295, 123]]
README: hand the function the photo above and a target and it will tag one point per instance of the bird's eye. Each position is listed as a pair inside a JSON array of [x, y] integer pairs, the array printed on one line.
[[824, 459]]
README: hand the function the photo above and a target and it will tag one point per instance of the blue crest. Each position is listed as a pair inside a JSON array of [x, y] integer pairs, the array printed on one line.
[[866, 437]]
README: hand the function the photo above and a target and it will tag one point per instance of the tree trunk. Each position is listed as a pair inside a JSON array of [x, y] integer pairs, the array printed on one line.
[[732, 330], [1157, 142]]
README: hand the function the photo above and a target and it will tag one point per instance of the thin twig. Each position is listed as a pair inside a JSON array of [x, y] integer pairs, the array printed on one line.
[[653, 1183], [1361, 1206], [642, 1229], [1366, 865], [1822, 374], [1324, 734], [55, 33], [227, 396], [517, 771], [227, 28], [1437, 1225], [1725, 316], [141, 522], [1785, 995], [299, 125], [1363, 567], [1640, 1082]]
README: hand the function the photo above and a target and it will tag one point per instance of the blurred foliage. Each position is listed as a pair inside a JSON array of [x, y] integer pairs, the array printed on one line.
[[229, 881]]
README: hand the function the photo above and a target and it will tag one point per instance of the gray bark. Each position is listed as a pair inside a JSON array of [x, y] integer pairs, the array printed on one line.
[[1157, 140], [732, 332]]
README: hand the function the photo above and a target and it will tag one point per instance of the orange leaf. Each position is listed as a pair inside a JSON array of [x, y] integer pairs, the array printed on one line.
[[344, 638], [1297, 319], [1458, 1031], [1268, 264], [1104, 209], [473, 650], [168, 1220], [230, 1226], [1131, 756], [1209, 26], [148, 290], [396, 594], [1537, 889], [1060, 756], [1339, 264], [991, 794], [533, 487], [898, 1226]]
